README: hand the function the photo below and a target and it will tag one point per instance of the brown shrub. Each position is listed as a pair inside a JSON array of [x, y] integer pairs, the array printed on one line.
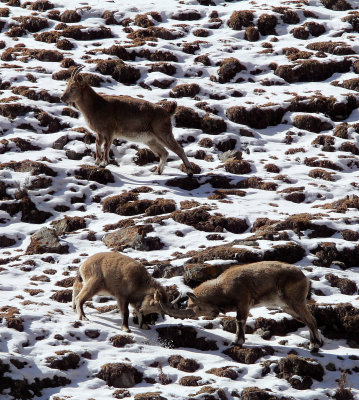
[[321, 174], [183, 364], [120, 375], [311, 123], [251, 34], [229, 69], [345, 285], [315, 162], [64, 44], [311, 70], [41, 5], [337, 48], [248, 355], [238, 167], [79, 32], [121, 340], [70, 360], [238, 19], [186, 117], [32, 24], [154, 32], [256, 117], [267, 24], [70, 16], [47, 37], [292, 366], [185, 90], [119, 71]]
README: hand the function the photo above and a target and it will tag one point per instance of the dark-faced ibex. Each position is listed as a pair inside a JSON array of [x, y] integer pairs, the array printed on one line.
[[111, 273], [125, 117], [242, 287]]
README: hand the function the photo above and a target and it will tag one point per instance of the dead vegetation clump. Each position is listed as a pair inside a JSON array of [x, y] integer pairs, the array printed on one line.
[[120, 52], [32, 24], [318, 173], [183, 364], [238, 19], [185, 90], [47, 37], [312, 70], [64, 44], [336, 48], [336, 5], [41, 5], [267, 24], [229, 69], [165, 68], [311, 123], [79, 32], [299, 371], [187, 15], [342, 205], [202, 220], [329, 106], [121, 72], [67, 360], [342, 392], [70, 16], [31, 94], [256, 117], [322, 163], [345, 285], [153, 33], [120, 375]]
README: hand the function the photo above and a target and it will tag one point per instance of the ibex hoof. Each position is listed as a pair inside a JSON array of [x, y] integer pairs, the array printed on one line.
[[314, 347], [126, 329], [83, 318], [190, 174], [238, 343], [103, 164], [145, 326]]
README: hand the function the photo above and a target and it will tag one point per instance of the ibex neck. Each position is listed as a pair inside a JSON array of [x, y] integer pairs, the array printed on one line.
[[90, 101]]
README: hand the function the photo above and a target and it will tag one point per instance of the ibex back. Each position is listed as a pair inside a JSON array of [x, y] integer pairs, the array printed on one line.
[[242, 287], [124, 117], [122, 277]]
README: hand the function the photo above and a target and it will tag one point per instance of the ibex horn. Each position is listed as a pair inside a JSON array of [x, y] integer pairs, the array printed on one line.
[[177, 299], [76, 71]]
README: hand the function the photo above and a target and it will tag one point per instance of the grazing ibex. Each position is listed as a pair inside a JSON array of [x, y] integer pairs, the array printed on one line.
[[111, 273], [125, 117], [242, 287]]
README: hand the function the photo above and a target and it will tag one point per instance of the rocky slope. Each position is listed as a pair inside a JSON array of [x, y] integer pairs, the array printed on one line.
[[267, 112]]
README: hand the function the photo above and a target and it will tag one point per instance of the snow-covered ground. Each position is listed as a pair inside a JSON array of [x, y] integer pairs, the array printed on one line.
[[281, 153]]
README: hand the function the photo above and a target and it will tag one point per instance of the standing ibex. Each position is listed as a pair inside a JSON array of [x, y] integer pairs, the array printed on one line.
[[126, 117], [241, 287], [126, 279]]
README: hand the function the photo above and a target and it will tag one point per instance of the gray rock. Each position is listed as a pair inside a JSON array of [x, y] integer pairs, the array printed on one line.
[[46, 240]]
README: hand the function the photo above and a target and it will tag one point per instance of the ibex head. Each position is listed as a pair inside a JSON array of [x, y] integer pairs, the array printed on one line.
[[74, 88], [195, 308]]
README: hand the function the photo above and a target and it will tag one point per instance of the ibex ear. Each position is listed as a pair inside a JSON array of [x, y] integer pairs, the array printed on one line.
[[191, 296], [79, 78]]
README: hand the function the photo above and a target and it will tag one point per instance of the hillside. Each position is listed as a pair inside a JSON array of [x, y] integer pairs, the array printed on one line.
[[267, 113]]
